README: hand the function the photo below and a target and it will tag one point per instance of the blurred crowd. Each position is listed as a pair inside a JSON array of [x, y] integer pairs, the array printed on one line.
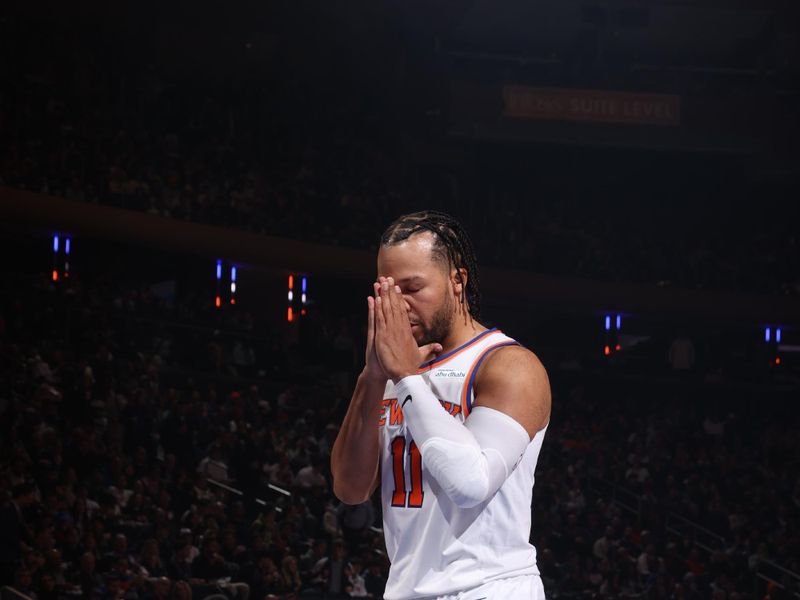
[[689, 492], [126, 478], [128, 475]]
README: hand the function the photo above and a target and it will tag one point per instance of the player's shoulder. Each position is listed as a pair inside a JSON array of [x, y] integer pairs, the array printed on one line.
[[514, 356], [513, 364], [514, 380]]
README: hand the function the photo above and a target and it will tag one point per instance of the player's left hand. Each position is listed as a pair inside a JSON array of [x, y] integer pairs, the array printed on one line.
[[395, 345]]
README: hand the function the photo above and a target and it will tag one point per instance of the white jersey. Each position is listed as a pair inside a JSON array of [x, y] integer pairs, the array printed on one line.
[[435, 547]]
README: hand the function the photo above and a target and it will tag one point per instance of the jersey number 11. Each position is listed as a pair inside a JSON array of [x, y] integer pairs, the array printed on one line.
[[401, 498]]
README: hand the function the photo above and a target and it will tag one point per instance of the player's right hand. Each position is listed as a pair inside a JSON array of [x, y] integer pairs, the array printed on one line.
[[372, 368]]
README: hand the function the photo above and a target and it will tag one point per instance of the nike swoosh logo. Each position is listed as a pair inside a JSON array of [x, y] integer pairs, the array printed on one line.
[[402, 406]]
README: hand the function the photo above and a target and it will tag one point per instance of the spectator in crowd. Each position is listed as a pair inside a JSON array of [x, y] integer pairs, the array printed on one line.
[[330, 570], [356, 583], [290, 575], [16, 532]]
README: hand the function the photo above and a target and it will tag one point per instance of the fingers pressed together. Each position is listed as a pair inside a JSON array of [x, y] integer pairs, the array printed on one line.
[[389, 302]]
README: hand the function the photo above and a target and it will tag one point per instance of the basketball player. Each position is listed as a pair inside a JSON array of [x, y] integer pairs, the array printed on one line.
[[449, 417]]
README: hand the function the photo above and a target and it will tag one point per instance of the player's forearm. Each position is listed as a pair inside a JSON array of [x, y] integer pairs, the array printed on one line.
[[356, 452], [469, 461]]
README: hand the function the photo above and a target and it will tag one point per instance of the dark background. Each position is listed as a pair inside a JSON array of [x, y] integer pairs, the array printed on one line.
[[283, 137]]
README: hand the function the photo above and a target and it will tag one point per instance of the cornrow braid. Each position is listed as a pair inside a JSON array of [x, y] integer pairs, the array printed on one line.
[[451, 244]]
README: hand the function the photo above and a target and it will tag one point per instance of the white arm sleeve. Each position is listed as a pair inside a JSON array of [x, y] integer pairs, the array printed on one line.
[[470, 461]]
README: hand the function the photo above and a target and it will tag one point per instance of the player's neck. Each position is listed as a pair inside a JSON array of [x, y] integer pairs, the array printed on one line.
[[462, 331]]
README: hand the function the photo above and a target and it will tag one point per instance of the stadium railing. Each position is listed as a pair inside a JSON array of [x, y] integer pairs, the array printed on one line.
[[10, 593]]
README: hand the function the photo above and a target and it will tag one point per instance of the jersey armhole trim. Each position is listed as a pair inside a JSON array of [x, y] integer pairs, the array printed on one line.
[[466, 394], [455, 352]]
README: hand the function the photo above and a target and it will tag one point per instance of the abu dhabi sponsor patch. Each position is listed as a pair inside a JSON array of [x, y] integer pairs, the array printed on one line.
[[448, 373]]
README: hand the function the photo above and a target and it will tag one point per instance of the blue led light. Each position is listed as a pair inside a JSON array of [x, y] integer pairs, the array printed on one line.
[[766, 334], [55, 243], [619, 321], [219, 269], [303, 284], [778, 335], [608, 322], [67, 244], [233, 273]]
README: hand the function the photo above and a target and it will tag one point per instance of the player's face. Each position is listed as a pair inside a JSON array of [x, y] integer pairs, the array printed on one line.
[[425, 285]]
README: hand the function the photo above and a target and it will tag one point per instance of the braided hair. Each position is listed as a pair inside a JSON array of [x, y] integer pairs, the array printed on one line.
[[451, 245]]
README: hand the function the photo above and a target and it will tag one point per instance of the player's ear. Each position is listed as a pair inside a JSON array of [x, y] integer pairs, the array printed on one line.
[[459, 280]]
